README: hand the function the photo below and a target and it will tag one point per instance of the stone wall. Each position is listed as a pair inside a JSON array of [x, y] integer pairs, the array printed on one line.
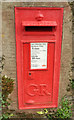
[[9, 46], [72, 7]]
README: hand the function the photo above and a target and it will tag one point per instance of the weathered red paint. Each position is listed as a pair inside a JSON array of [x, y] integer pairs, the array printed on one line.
[[38, 88]]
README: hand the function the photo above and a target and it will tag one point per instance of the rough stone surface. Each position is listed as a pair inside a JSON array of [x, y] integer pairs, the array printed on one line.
[[9, 47]]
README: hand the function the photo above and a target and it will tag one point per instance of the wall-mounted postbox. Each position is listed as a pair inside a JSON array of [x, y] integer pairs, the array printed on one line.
[[38, 51]]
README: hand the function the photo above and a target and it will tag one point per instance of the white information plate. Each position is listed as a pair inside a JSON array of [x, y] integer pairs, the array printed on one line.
[[38, 55]]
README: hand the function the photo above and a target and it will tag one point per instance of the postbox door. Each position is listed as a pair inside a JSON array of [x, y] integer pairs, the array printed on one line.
[[38, 80]]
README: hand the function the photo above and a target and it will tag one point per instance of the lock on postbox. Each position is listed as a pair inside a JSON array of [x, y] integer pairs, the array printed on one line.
[[38, 52]]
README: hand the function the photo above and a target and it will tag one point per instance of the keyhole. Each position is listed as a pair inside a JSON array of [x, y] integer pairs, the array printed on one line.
[[29, 73]]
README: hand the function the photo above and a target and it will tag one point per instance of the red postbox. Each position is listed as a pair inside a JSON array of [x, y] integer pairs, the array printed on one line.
[[38, 52]]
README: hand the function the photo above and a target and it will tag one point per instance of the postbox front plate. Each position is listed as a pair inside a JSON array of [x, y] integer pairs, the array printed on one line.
[[38, 51]]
